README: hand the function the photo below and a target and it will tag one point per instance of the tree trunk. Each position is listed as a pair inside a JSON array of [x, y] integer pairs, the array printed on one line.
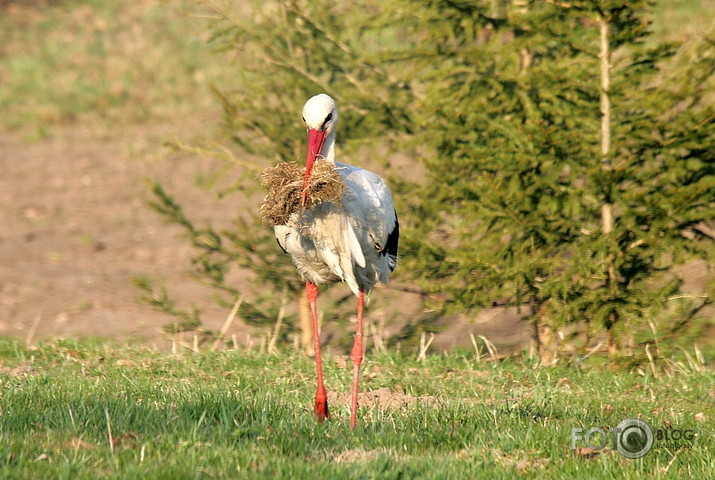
[[605, 60], [607, 222]]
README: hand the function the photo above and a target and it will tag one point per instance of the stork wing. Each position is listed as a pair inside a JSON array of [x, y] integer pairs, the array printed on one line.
[[368, 201]]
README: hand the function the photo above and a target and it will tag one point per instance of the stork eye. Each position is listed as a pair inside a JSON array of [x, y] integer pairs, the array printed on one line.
[[327, 119]]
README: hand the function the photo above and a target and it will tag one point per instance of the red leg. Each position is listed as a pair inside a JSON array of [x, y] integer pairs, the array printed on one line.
[[357, 359], [321, 398]]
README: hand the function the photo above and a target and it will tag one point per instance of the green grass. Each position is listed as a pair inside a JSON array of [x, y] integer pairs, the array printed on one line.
[[103, 62], [108, 62], [244, 415]]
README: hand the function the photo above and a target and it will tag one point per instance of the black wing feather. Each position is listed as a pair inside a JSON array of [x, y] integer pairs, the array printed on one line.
[[392, 243], [278, 241]]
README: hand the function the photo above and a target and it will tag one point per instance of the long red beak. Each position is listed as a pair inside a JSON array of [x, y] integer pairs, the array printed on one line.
[[316, 139]]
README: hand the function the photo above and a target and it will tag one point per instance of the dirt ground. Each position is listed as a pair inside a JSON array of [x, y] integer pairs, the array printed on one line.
[[76, 229]]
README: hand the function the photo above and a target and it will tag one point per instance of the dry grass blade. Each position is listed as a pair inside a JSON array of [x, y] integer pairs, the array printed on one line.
[[227, 323], [285, 182], [109, 431]]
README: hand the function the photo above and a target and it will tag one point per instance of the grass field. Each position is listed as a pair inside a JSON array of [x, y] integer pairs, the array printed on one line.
[[75, 411], [109, 62], [105, 63]]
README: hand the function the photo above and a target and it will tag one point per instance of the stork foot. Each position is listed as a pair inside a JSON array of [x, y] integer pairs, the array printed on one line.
[[321, 409]]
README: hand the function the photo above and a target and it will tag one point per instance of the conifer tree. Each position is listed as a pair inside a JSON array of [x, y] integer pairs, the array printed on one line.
[[655, 179], [563, 170], [502, 119]]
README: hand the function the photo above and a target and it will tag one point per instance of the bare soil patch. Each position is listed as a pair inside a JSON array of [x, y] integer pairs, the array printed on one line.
[[360, 455], [382, 398], [76, 229]]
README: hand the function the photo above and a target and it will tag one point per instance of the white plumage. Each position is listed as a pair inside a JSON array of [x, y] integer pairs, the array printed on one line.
[[354, 241]]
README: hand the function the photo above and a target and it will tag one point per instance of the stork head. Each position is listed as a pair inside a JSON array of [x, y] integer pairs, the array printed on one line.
[[321, 117]]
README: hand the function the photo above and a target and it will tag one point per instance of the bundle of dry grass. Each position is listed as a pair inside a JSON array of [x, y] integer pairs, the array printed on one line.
[[285, 183]]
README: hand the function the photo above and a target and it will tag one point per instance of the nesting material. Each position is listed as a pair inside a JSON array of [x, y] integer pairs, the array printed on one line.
[[285, 183]]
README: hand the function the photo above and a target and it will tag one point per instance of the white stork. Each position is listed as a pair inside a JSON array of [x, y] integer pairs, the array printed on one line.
[[355, 242]]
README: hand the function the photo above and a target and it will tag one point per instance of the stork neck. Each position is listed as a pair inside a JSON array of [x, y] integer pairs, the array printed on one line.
[[328, 152]]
